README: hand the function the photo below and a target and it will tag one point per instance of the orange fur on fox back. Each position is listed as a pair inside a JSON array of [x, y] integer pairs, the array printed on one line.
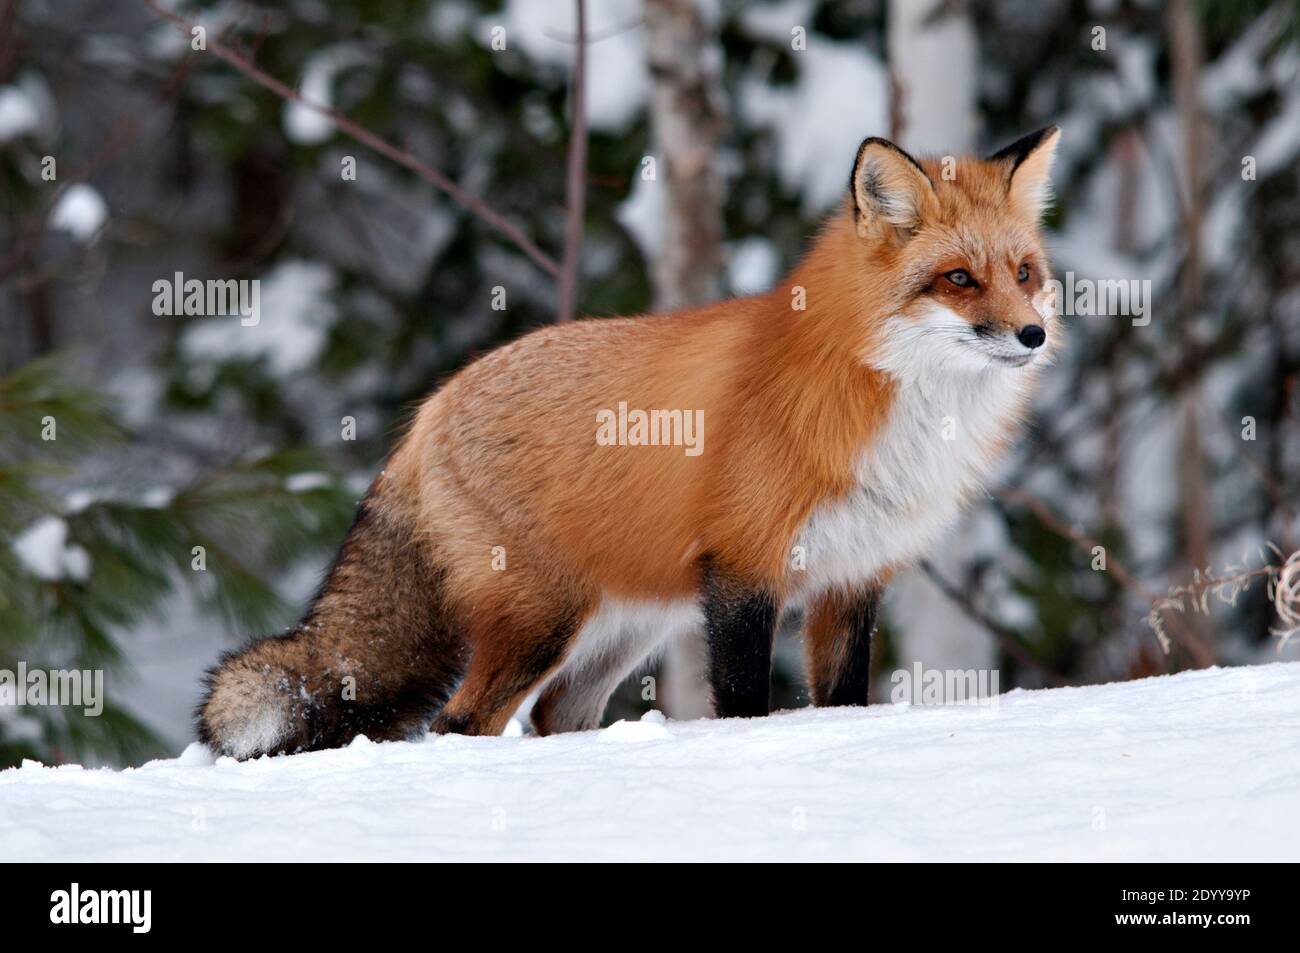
[[787, 403]]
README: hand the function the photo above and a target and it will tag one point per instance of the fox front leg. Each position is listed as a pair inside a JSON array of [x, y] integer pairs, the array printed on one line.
[[837, 635], [740, 624]]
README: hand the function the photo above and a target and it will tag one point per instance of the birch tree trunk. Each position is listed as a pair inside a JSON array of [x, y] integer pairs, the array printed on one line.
[[684, 59], [687, 117], [934, 71], [933, 61]]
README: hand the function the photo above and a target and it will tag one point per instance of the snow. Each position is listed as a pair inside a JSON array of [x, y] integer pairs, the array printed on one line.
[[19, 114], [81, 211], [754, 266], [651, 727], [305, 482], [642, 214], [297, 306], [618, 83], [840, 98], [1199, 766], [303, 124], [43, 550]]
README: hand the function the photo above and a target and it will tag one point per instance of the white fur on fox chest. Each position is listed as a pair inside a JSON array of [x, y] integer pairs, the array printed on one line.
[[934, 450]]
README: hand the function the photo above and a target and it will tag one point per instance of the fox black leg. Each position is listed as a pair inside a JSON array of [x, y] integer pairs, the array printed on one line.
[[740, 623], [838, 638]]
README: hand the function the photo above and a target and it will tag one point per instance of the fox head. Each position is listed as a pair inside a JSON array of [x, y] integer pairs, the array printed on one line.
[[960, 241]]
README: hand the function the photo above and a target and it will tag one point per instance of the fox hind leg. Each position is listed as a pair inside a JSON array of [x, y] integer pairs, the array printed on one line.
[[512, 656]]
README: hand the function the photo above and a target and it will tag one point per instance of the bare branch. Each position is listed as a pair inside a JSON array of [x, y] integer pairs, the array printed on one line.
[[1197, 649], [468, 201], [1010, 641]]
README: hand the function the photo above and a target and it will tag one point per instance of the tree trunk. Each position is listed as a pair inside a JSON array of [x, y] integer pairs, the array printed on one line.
[[1186, 54], [934, 67], [687, 118], [686, 113]]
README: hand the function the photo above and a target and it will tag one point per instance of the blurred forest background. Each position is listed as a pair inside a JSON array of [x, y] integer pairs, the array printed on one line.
[[718, 133]]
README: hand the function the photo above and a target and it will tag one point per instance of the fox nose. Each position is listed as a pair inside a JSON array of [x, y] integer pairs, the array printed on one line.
[[1032, 336]]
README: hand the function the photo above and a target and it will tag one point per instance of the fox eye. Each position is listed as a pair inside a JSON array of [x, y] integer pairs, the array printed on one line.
[[1024, 273], [960, 277]]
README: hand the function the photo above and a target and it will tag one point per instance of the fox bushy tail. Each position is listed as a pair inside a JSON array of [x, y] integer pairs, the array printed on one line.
[[377, 653]]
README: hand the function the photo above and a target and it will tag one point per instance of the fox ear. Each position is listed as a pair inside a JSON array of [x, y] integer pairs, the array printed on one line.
[[888, 186], [1029, 165]]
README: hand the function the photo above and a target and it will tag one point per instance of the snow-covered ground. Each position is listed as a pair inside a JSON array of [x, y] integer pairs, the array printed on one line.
[[1199, 766]]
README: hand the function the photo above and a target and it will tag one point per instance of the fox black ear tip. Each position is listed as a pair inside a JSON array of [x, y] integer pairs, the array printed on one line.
[[1021, 149], [1043, 136], [876, 141]]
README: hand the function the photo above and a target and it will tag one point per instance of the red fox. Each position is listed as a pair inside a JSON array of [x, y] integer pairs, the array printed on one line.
[[564, 505]]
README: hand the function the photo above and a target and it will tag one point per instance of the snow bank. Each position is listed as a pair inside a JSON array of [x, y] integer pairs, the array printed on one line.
[[1199, 766]]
